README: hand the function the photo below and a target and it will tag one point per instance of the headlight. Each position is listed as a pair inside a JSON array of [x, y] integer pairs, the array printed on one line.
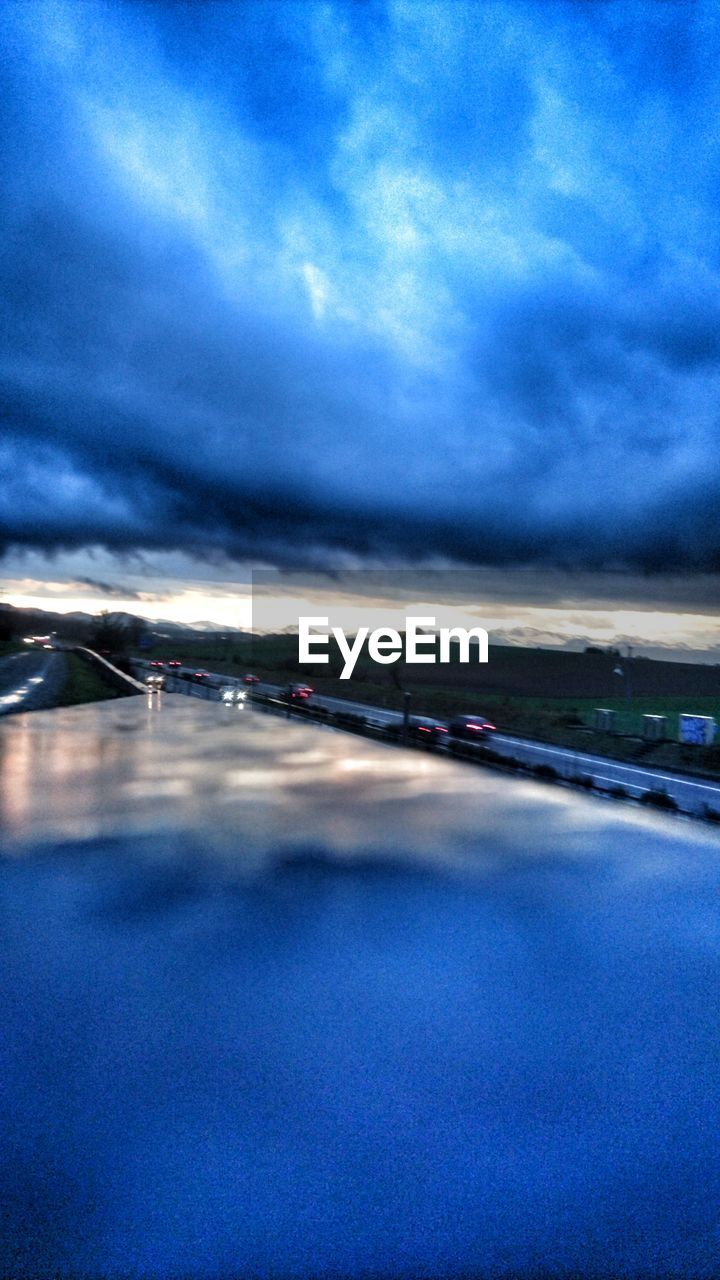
[[233, 695]]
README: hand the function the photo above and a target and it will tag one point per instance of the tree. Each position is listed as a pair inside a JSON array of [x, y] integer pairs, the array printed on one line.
[[116, 632], [8, 622]]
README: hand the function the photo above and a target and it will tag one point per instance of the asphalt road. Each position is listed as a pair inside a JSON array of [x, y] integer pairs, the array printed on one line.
[[30, 681], [693, 795]]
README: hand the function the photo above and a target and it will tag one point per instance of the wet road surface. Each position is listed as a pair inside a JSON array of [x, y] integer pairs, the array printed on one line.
[[281, 1001]]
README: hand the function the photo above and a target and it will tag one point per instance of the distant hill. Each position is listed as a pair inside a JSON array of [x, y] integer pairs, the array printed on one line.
[[78, 626]]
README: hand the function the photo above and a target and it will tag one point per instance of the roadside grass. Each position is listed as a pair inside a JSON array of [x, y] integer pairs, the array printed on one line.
[[629, 718], [573, 717], [8, 647], [84, 684], [230, 656]]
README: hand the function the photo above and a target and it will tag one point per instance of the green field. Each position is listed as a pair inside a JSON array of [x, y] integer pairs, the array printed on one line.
[[8, 647], [84, 684], [629, 716]]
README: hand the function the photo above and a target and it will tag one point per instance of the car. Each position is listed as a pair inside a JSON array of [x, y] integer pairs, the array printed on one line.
[[249, 679], [298, 693], [420, 729], [174, 662], [157, 663], [232, 695], [155, 681], [470, 728], [426, 729], [200, 676]]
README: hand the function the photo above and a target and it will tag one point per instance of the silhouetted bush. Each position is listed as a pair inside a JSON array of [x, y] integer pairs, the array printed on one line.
[[349, 720], [659, 799], [546, 772]]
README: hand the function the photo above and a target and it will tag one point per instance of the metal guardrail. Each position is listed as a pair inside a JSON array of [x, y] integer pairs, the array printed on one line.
[[115, 673]]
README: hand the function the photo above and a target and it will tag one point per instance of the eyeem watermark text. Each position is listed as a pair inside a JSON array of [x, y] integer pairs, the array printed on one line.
[[386, 645]]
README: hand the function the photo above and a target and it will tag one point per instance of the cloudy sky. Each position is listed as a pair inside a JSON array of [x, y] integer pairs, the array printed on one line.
[[364, 283]]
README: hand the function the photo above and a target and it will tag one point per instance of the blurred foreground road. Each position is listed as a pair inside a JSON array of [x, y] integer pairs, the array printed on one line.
[[278, 1001]]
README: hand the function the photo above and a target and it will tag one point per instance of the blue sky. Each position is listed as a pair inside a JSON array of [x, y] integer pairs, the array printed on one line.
[[359, 283]]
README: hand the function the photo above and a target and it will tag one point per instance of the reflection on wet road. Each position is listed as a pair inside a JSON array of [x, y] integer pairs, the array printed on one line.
[[173, 764], [279, 1001], [30, 679]]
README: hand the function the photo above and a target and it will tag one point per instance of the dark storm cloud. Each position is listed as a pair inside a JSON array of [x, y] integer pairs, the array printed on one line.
[[363, 282], [118, 591], [526, 586], [108, 589]]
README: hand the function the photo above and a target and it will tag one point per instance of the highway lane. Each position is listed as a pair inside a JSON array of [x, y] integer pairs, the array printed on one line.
[[693, 795], [31, 680], [180, 681], [690, 793]]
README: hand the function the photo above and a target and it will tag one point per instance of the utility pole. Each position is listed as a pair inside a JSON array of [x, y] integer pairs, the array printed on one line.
[[406, 712]]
